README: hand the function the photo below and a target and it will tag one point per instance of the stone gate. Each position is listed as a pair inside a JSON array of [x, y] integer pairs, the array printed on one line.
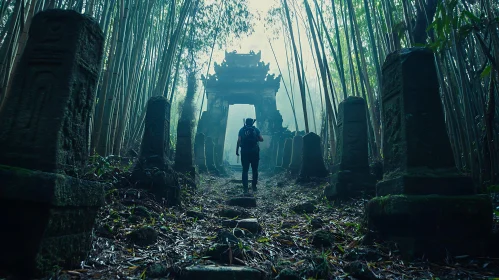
[[241, 79]]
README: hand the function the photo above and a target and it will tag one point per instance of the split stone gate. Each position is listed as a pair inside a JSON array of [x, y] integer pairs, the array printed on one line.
[[241, 79]]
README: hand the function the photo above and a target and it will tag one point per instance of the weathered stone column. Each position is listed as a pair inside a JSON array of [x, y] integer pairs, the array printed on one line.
[[313, 163], [184, 154], [280, 150], [210, 156], [155, 145], [199, 152], [213, 123], [431, 209], [351, 175], [47, 216], [288, 148], [152, 171], [296, 155]]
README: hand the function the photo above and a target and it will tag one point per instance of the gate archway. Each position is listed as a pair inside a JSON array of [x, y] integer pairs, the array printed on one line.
[[241, 79]]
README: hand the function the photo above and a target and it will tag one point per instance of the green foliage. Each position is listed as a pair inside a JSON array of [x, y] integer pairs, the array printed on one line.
[[223, 18], [105, 168], [451, 19], [493, 189]]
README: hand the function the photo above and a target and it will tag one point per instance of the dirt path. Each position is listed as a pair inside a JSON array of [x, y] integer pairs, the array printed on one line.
[[317, 240]]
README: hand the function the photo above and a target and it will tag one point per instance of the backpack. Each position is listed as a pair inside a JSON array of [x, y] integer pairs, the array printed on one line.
[[250, 138]]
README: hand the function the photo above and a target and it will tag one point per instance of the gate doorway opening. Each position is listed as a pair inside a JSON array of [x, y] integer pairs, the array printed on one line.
[[237, 113]]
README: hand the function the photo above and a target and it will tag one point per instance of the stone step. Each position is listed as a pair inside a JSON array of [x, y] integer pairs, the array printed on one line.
[[246, 202], [251, 224], [212, 272]]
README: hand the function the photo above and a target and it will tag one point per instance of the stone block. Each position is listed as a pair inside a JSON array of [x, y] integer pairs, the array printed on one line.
[[296, 154], [313, 162], [344, 184], [251, 225], [46, 115], [352, 145], [184, 154], [425, 205], [415, 135], [49, 218], [432, 225], [427, 183], [212, 272], [351, 174], [44, 136], [286, 154], [162, 183]]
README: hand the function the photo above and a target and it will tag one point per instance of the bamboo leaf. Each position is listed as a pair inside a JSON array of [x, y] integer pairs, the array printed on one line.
[[471, 16], [486, 71]]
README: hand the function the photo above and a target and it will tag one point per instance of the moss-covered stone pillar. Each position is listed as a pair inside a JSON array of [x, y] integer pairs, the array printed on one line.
[[152, 171], [313, 162], [47, 212], [288, 148], [424, 204], [351, 175], [199, 152]]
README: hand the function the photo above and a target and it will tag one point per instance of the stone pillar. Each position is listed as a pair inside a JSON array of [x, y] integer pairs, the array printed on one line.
[[184, 155], [431, 209], [213, 123], [269, 121], [313, 163], [47, 216], [351, 174], [296, 155], [210, 156], [199, 152], [155, 144], [288, 148], [152, 171], [280, 151]]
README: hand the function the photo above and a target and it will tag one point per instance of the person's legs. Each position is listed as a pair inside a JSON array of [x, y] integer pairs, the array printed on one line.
[[254, 168], [245, 161]]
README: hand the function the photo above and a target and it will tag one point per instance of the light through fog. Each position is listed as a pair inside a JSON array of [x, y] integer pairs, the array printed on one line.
[[237, 113], [259, 41]]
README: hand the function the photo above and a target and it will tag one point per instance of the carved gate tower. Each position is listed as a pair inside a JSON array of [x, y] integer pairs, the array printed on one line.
[[241, 79]]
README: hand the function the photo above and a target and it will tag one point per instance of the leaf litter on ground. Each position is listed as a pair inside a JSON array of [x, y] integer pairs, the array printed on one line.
[[285, 245]]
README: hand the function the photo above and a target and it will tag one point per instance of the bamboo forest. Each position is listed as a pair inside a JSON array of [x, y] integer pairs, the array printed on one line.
[[249, 139]]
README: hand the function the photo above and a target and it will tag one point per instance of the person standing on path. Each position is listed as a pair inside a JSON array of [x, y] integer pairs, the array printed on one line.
[[248, 139]]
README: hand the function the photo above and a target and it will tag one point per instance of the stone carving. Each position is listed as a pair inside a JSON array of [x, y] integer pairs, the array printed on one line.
[[199, 152], [313, 163], [351, 174], [431, 209], [48, 216], [296, 155]]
